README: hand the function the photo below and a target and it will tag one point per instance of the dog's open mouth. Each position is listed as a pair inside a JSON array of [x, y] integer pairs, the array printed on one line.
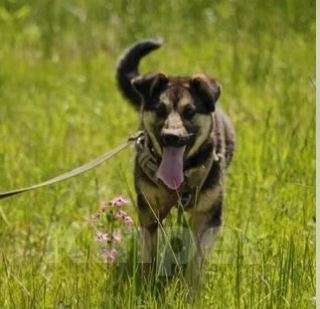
[[171, 168]]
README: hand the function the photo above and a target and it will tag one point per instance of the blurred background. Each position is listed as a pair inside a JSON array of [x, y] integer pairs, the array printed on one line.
[[60, 107]]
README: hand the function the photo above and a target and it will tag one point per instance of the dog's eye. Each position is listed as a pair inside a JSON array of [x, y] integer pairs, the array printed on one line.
[[189, 112], [161, 110]]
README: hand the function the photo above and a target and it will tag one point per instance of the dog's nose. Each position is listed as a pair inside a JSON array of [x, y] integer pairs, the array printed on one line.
[[174, 140]]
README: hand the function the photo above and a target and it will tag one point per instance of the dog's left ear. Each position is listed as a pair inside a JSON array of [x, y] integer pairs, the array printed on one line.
[[150, 86], [207, 89]]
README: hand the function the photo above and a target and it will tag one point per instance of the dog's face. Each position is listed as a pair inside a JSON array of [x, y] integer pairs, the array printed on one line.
[[176, 112]]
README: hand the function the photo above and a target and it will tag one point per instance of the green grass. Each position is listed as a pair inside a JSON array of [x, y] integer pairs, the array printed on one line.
[[59, 107]]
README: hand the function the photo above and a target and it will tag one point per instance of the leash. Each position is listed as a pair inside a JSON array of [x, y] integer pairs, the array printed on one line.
[[77, 171]]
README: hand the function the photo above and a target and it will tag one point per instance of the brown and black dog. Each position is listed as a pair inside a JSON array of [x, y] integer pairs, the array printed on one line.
[[186, 147]]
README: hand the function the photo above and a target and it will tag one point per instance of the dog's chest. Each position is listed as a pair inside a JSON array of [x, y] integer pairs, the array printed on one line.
[[157, 196]]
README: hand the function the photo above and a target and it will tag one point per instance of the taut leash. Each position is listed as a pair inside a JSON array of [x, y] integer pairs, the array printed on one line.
[[77, 171]]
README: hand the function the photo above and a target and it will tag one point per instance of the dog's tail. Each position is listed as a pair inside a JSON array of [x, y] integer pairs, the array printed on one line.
[[128, 67]]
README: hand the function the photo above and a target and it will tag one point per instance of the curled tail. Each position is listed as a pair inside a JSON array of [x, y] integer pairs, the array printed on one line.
[[128, 67]]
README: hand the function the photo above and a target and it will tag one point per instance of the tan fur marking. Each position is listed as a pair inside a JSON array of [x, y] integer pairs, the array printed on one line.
[[205, 125], [207, 199], [166, 101], [185, 100]]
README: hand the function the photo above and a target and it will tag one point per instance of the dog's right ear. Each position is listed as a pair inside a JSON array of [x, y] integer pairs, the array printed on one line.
[[150, 86]]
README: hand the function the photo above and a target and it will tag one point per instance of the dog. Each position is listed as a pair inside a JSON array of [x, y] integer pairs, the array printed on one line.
[[182, 157]]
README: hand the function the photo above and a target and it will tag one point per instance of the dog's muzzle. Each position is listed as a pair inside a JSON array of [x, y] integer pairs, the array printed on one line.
[[174, 140]]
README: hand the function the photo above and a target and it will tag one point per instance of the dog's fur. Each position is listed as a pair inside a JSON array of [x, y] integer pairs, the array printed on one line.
[[186, 108]]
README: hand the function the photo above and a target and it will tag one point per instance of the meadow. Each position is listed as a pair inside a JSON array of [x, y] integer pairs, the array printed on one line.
[[60, 107]]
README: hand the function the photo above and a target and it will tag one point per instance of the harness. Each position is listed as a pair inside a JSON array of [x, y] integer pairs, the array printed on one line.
[[149, 164], [146, 158]]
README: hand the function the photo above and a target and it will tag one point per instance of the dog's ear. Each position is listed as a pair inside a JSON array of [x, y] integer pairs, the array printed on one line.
[[150, 86], [207, 89]]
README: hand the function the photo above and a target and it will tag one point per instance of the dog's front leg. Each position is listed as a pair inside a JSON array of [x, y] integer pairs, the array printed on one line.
[[149, 234], [205, 226], [149, 245]]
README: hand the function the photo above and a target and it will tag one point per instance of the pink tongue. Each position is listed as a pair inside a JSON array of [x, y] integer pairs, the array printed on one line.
[[171, 168]]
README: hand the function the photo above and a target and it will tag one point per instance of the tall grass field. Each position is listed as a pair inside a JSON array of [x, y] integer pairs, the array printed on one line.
[[60, 107]]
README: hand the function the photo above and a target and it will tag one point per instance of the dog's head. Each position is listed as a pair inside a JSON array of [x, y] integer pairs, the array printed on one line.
[[177, 115], [176, 112]]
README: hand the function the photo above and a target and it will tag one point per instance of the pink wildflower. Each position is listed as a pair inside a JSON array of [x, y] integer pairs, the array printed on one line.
[[123, 216], [102, 237], [110, 256], [119, 201], [128, 221], [117, 237]]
